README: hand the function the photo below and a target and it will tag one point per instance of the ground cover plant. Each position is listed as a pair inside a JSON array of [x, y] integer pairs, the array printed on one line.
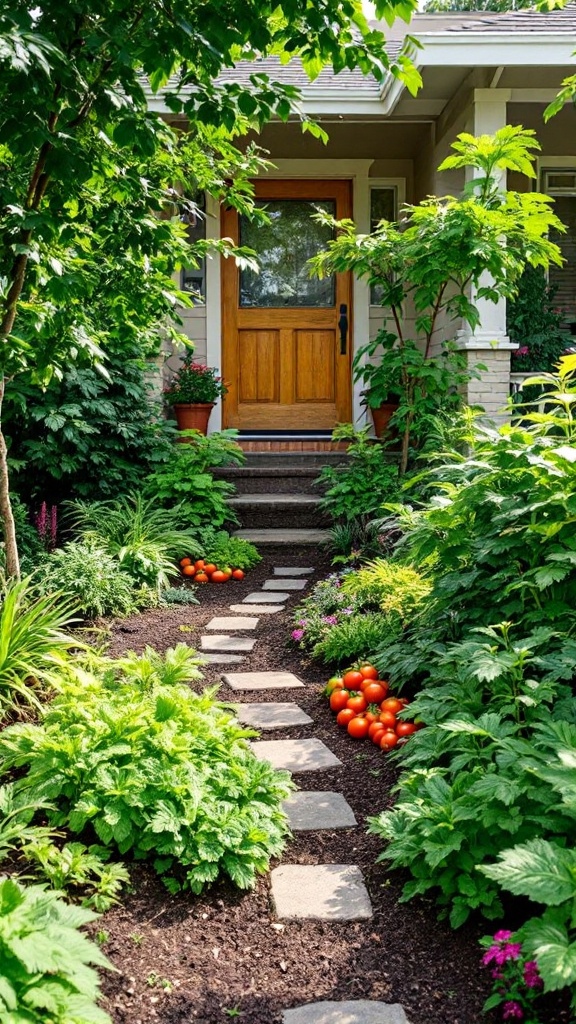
[[130, 754], [91, 577], [47, 963]]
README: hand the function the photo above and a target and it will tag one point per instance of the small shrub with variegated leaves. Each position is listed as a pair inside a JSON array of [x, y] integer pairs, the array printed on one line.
[[155, 770], [46, 963]]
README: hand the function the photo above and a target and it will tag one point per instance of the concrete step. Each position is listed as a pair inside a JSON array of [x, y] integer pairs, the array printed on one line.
[[302, 459], [278, 511], [291, 538], [272, 479]]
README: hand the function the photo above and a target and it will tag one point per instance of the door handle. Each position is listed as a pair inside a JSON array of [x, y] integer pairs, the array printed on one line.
[[343, 328]]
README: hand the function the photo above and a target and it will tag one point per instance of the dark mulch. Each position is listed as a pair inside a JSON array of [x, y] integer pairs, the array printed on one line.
[[222, 955]]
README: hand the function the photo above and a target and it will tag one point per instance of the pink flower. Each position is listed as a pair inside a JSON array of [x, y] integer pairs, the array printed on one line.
[[503, 935], [532, 977], [522, 351], [297, 634], [512, 1011]]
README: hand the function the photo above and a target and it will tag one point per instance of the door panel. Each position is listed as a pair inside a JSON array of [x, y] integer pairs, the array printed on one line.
[[281, 352]]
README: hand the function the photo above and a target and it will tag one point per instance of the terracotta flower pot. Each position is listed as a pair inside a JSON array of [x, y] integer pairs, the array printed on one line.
[[382, 416], [193, 415]]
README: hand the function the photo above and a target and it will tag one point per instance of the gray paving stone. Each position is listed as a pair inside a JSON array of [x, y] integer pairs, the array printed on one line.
[[272, 716], [292, 537], [259, 598], [296, 755], [227, 643], [284, 584], [262, 680], [262, 609], [223, 659], [320, 892], [291, 570], [357, 1011], [308, 811], [231, 622]]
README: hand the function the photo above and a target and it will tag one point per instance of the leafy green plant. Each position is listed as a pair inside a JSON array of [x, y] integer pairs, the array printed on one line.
[[194, 382], [223, 549], [84, 872], [16, 813], [90, 576], [364, 480], [154, 769], [393, 587], [356, 637], [430, 258], [143, 537], [184, 477], [47, 963], [535, 323], [33, 645], [180, 595]]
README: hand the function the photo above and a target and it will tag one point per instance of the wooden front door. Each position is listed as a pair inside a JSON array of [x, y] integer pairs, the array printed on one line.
[[285, 355]]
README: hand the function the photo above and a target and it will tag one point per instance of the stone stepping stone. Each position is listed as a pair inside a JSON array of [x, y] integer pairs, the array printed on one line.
[[284, 584], [227, 643], [296, 755], [262, 680], [291, 570], [223, 659], [320, 892], [231, 622], [262, 609], [260, 598], [310, 811], [272, 716], [356, 1011]]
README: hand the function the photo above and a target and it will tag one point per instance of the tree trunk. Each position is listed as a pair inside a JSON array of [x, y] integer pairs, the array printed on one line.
[[10, 544]]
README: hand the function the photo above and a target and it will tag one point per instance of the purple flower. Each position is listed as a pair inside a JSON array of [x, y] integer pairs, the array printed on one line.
[[522, 351], [347, 611], [503, 935], [297, 634], [532, 977], [330, 620], [512, 1011], [501, 953], [302, 622]]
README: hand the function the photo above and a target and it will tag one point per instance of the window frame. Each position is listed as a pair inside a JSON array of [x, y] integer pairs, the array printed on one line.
[[398, 186]]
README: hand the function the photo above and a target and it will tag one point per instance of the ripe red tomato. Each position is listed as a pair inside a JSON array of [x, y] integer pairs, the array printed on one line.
[[200, 577], [185, 561], [368, 672], [188, 570], [392, 704], [200, 564], [357, 703], [209, 567], [375, 727], [405, 729], [388, 719], [339, 699], [358, 728], [237, 574], [374, 693], [219, 577], [377, 735], [353, 679], [389, 740], [345, 716], [372, 713]]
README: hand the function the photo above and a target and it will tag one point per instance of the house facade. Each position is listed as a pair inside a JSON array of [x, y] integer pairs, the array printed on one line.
[[284, 342]]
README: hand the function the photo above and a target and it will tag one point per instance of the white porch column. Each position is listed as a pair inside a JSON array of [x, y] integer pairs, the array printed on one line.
[[489, 343]]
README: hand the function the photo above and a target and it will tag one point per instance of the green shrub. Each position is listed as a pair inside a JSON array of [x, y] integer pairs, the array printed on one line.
[[155, 770], [356, 637], [391, 586], [45, 961], [33, 645], [84, 872], [222, 549], [91, 577], [184, 477], [180, 595], [145, 538], [364, 481]]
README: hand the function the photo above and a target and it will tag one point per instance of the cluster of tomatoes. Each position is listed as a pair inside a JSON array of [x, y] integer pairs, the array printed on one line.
[[207, 572], [362, 706]]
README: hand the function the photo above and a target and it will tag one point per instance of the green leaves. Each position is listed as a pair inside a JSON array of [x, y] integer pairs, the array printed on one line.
[[539, 869]]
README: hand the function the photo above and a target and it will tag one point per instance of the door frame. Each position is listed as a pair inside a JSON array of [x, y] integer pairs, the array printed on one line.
[[356, 171]]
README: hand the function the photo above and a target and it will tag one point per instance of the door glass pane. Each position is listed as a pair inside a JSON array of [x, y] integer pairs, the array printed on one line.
[[283, 246], [382, 207]]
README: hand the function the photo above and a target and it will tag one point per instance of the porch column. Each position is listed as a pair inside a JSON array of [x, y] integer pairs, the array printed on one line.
[[489, 343]]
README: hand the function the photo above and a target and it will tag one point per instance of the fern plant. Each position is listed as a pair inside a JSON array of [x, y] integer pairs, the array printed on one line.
[[356, 637], [46, 963]]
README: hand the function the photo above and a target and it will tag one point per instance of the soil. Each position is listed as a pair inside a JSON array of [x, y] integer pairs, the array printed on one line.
[[222, 956]]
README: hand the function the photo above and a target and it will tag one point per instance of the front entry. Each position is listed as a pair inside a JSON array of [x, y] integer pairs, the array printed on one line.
[[285, 342]]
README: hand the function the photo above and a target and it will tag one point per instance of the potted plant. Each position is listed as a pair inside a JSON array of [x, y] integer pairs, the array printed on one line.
[[383, 390], [192, 392]]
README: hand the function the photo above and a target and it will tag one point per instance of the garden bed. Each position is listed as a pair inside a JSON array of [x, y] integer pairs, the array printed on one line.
[[222, 956]]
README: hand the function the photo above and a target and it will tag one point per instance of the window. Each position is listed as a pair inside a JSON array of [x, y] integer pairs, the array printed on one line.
[[383, 206], [561, 184], [193, 279]]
